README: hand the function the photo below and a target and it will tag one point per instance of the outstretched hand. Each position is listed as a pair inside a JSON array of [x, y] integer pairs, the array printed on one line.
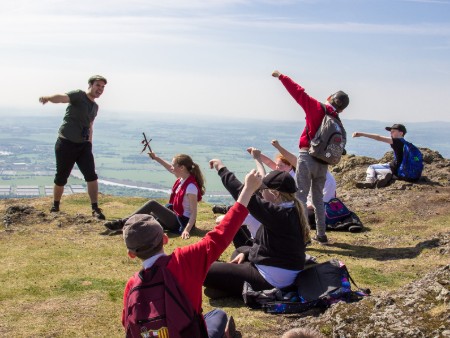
[[152, 155], [356, 134], [43, 99], [276, 73], [275, 143], [216, 164]]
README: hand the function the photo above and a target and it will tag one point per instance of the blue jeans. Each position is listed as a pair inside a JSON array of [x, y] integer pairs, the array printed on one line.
[[215, 320]]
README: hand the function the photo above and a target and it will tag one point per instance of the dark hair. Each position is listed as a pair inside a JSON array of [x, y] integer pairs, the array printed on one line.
[[339, 100], [193, 168], [94, 78]]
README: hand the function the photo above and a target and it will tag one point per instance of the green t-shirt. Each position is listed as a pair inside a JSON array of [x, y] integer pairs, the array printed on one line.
[[80, 112]]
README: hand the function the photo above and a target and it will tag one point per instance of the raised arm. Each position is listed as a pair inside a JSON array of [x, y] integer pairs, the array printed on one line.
[[164, 163], [257, 156], [264, 159], [57, 98], [286, 153], [375, 137]]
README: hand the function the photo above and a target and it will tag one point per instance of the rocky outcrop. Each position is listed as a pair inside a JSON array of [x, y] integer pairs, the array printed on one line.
[[352, 168], [419, 309]]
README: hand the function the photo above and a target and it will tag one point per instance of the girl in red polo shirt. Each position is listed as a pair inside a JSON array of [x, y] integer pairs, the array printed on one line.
[[180, 214]]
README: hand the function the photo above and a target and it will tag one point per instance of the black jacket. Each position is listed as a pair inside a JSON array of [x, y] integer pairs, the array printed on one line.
[[279, 240]]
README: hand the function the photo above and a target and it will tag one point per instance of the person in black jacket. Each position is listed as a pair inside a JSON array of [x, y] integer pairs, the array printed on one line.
[[278, 252]]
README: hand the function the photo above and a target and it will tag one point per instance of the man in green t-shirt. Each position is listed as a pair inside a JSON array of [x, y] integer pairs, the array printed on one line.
[[74, 143]]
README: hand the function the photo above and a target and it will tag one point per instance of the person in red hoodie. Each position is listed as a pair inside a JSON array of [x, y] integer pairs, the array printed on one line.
[[144, 238], [311, 174], [180, 215]]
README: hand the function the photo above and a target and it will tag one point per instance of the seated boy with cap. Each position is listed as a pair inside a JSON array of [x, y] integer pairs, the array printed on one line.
[[379, 175], [144, 238]]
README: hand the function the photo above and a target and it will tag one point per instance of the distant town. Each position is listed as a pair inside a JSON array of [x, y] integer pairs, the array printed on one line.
[[8, 191]]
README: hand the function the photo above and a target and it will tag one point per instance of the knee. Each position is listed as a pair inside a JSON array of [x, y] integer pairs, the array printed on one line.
[[60, 180], [91, 177]]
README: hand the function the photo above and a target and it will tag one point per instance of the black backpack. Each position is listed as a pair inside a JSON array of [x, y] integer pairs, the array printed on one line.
[[318, 286]]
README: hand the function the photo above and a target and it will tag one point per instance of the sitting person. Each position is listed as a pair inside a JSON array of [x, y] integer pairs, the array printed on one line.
[[180, 214], [285, 161], [144, 238], [278, 251], [379, 175]]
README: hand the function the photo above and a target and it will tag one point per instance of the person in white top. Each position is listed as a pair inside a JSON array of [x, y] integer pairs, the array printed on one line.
[[180, 215]]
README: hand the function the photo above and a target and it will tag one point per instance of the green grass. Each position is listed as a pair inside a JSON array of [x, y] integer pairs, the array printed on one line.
[[61, 277]]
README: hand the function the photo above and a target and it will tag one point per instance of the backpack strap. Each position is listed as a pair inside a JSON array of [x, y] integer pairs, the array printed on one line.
[[366, 291], [326, 113], [160, 262]]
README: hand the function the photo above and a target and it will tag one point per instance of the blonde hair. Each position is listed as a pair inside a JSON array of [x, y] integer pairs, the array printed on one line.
[[193, 168], [304, 224]]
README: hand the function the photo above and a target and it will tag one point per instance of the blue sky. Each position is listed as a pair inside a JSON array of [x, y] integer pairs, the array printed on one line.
[[215, 57]]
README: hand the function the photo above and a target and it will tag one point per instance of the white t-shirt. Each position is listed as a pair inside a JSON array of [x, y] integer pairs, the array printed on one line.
[[329, 190], [252, 224], [191, 189]]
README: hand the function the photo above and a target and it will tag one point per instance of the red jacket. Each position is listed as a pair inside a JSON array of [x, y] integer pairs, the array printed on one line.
[[313, 109], [190, 264], [176, 198]]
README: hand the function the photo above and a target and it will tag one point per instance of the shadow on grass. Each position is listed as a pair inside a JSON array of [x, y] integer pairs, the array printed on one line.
[[380, 254]]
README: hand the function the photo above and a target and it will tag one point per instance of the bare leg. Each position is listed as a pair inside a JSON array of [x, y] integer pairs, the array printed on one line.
[[93, 191], [58, 191]]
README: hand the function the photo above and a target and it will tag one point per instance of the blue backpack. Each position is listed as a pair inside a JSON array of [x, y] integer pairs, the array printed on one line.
[[335, 211], [412, 164]]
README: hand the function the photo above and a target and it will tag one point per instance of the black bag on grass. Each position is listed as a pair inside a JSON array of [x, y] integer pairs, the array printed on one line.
[[319, 286]]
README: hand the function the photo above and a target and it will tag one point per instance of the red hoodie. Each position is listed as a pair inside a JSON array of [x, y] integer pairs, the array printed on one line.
[[313, 109], [190, 264]]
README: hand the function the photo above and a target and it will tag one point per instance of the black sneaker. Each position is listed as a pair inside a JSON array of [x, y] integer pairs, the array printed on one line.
[[220, 209], [365, 185], [115, 225], [384, 182], [97, 213], [322, 240], [54, 209]]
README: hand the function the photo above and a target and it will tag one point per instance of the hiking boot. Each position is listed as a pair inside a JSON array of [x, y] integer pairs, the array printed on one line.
[[97, 213], [54, 209], [322, 240], [365, 185], [230, 328], [117, 224], [384, 181], [220, 209]]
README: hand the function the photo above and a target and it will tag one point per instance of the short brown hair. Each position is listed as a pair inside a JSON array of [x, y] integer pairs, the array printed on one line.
[[94, 78]]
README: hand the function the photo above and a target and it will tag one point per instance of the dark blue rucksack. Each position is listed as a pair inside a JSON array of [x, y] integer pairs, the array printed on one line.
[[335, 211], [318, 286], [412, 164]]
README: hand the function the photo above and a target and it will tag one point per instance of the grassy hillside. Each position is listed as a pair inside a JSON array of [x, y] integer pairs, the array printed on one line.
[[63, 276]]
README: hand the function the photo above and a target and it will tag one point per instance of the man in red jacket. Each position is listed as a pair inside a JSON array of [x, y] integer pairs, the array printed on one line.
[[311, 174], [145, 238]]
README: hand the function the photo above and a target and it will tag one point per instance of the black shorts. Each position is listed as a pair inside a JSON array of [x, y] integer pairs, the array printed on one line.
[[67, 154]]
